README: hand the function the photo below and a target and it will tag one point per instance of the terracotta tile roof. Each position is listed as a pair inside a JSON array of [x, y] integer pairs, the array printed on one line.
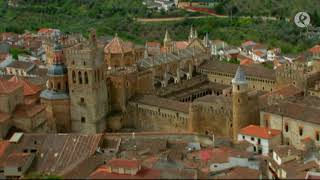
[[260, 132], [216, 155], [241, 173], [162, 103], [296, 111], [118, 46], [17, 159], [259, 53], [8, 87], [123, 163], [246, 61], [285, 150], [253, 70], [62, 151], [153, 44], [3, 147], [28, 110], [45, 30], [144, 173], [248, 43], [181, 44], [21, 65], [4, 117], [315, 49], [28, 88]]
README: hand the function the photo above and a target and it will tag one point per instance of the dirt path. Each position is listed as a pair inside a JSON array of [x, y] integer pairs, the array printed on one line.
[[145, 20]]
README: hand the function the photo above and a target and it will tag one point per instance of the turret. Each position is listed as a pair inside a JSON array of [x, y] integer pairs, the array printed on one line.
[[167, 42], [206, 40], [56, 95], [239, 101], [191, 34]]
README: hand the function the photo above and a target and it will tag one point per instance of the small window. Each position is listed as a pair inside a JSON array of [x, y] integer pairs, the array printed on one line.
[[83, 119], [286, 127], [259, 141], [300, 131], [252, 138], [19, 169], [35, 142], [82, 100], [243, 137], [317, 136], [266, 122], [33, 150], [25, 150], [238, 87]]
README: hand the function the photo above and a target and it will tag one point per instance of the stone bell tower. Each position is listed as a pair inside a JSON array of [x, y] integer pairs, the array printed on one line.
[[240, 102], [88, 88]]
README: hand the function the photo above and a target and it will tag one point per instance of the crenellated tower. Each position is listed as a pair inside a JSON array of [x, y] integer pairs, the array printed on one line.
[[88, 88]]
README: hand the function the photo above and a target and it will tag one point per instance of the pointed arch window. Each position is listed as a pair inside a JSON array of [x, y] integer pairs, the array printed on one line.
[[59, 86], [74, 80], [86, 79], [80, 77]]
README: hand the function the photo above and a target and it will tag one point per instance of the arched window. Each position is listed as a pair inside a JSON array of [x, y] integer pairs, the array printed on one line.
[[86, 79], [95, 76], [50, 85], [80, 77], [74, 80]]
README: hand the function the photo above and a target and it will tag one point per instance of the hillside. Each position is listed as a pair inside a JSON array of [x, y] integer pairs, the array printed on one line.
[[275, 8], [111, 16]]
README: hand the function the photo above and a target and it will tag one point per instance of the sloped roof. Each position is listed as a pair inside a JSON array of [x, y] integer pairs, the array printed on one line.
[[315, 49], [240, 76], [8, 87], [118, 46], [181, 44], [260, 132], [162, 103], [28, 88], [123, 163]]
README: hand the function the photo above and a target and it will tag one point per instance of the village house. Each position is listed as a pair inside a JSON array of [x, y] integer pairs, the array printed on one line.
[[262, 139]]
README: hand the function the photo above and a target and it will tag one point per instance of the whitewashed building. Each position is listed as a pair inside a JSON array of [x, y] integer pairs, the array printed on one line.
[[263, 139]]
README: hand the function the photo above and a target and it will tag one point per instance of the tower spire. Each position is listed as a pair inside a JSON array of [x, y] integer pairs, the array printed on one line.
[[195, 33], [206, 40], [191, 34], [167, 36]]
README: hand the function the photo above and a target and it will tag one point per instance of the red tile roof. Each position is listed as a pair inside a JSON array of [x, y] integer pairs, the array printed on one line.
[[181, 44], [145, 173], [4, 116], [17, 159], [261, 132], [28, 88], [3, 147], [123, 163], [153, 44], [247, 43], [246, 61], [118, 46], [45, 30], [8, 87], [315, 49], [28, 110]]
